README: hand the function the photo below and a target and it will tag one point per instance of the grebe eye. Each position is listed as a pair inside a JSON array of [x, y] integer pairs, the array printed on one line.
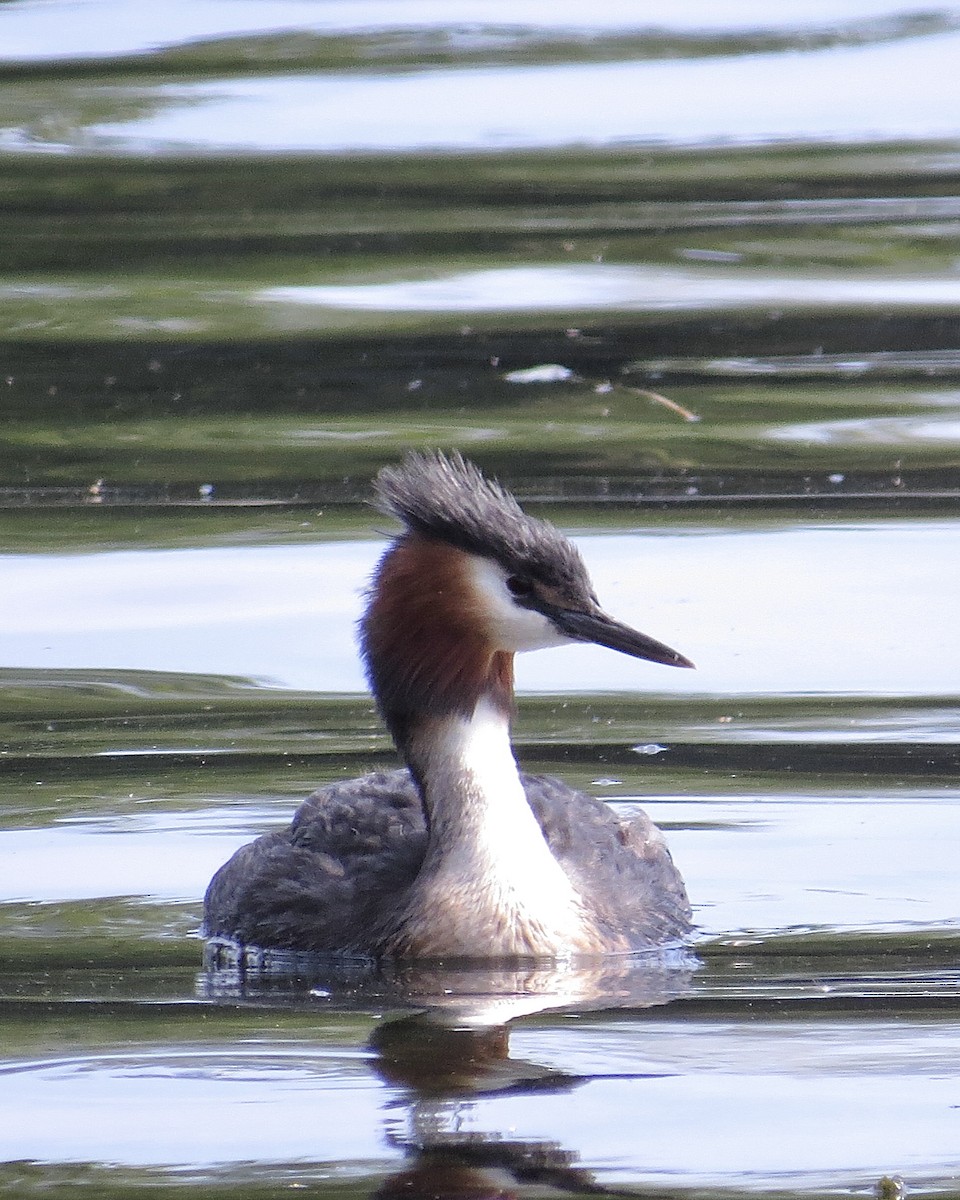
[[519, 587]]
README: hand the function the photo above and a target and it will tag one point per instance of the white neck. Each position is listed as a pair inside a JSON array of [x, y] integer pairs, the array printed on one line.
[[489, 884]]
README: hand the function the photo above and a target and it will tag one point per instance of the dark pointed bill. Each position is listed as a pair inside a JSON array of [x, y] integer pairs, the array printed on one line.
[[602, 630]]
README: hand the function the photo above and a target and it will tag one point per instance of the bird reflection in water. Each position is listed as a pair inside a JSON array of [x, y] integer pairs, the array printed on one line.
[[442, 1071], [452, 1052]]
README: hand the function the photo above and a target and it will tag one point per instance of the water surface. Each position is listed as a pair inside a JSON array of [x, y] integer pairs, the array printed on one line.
[[686, 281]]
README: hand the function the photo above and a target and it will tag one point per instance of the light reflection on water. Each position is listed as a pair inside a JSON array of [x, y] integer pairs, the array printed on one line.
[[775, 864], [884, 431], [685, 1103], [598, 286], [270, 1106], [860, 608], [706, 1131], [120, 858], [756, 98]]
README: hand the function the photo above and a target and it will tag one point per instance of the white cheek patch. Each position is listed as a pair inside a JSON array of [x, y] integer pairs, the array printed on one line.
[[512, 627]]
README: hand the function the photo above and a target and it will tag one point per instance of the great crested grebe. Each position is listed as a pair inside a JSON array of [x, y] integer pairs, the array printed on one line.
[[460, 855]]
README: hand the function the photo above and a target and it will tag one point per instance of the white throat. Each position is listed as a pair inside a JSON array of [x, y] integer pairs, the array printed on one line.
[[489, 884]]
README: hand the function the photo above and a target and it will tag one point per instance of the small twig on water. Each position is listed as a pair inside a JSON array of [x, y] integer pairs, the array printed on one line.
[[662, 400]]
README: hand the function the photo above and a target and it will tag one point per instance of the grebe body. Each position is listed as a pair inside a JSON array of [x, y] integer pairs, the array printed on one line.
[[459, 855]]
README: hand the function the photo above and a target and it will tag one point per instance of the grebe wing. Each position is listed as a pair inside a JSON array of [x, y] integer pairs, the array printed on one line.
[[329, 881], [622, 866], [322, 884]]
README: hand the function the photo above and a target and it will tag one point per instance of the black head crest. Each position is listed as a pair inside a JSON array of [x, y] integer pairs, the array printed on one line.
[[446, 498]]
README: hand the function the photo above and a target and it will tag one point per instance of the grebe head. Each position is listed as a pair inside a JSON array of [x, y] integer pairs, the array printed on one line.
[[472, 580]]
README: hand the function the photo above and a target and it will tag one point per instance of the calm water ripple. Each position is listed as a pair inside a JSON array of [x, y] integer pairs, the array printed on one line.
[[685, 279]]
